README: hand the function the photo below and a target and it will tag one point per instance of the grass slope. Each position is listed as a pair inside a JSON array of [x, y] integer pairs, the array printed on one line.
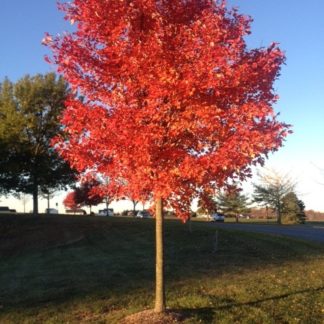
[[98, 270]]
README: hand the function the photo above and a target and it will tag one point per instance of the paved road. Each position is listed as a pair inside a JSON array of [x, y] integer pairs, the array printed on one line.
[[304, 232]]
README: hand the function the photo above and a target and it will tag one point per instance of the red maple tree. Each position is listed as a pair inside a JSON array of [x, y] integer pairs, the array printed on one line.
[[173, 101], [70, 201], [85, 195]]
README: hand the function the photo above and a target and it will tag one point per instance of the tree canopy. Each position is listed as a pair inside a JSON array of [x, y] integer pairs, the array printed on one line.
[[29, 111], [172, 81]]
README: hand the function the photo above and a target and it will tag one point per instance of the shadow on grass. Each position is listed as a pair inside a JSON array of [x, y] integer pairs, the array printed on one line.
[[207, 314], [57, 260]]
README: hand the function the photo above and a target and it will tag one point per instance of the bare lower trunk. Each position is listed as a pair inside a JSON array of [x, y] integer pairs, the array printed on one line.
[[35, 196], [278, 210], [159, 267], [107, 205], [48, 203], [279, 216], [134, 206]]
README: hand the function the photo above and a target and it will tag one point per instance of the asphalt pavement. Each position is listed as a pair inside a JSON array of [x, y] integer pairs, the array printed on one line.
[[309, 232]]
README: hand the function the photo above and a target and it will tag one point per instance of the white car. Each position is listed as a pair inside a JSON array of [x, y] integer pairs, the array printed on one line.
[[217, 217]]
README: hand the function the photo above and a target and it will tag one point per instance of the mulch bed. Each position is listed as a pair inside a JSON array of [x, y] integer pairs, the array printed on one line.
[[150, 317]]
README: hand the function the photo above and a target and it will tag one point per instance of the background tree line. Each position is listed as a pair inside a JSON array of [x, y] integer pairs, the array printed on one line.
[[274, 192], [29, 119]]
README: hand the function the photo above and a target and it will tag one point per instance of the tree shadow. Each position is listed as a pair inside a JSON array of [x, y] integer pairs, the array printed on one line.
[[207, 314]]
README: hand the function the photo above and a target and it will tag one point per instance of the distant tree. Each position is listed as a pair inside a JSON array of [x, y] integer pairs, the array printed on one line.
[[301, 216], [84, 195], [24, 198], [314, 215], [100, 187], [293, 209], [135, 202], [143, 199], [70, 202], [232, 203], [48, 194], [29, 119], [141, 194], [271, 190], [107, 200], [262, 212]]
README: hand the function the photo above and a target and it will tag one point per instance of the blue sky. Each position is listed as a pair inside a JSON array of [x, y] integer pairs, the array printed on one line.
[[298, 27]]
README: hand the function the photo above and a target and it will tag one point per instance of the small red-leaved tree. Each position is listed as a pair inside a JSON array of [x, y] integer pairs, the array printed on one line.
[[70, 202], [173, 101], [85, 195]]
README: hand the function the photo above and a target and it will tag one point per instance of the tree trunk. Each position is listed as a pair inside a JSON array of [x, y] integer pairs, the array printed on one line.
[[279, 216], [48, 203], [237, 218], [107, 205], [159, 267], [134, 206], [278, 209], [35, 197]]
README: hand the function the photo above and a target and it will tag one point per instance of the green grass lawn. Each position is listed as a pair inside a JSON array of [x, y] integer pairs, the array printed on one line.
[[76, 269]]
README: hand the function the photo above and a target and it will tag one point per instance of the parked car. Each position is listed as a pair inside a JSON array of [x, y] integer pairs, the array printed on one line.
[[106, 212], [143, 214], [51, 211], [76, 211], [217, 217], [131, 213], [5, 209]]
